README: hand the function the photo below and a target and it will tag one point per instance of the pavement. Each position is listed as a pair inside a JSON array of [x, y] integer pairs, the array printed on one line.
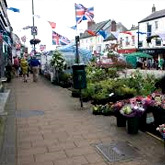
[[46, 126]]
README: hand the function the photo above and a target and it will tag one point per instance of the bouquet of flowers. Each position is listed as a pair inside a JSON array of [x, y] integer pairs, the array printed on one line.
[[161, 129]]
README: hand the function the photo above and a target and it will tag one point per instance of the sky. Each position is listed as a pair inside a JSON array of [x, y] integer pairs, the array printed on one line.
[[62, 12]]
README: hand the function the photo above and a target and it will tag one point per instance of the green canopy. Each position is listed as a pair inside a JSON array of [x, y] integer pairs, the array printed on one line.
[[139, 54]]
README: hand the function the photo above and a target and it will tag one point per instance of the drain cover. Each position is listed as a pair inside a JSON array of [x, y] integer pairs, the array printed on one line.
[[116, 152], [28, 113]]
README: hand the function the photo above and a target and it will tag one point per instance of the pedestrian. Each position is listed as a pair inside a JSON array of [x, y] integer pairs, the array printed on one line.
[[24, 68], [35, 65], [16, 65], [8, 71], [161, 61]]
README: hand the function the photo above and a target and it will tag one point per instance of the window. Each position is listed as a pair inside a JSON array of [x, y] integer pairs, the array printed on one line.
[[156, 24], [133, 40], [140, 43], [158, 42], [121, 42], [127, 42], [149, 30]]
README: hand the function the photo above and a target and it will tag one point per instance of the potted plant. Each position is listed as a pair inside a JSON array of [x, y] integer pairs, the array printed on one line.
[[58, 62]]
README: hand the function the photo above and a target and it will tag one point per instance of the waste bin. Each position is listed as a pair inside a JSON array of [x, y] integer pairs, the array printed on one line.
[[79, 76]]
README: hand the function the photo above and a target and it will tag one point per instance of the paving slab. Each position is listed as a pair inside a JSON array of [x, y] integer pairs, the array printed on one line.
[[52, 129]]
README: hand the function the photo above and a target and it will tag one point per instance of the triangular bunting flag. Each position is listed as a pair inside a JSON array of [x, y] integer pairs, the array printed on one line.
[[52, 24]]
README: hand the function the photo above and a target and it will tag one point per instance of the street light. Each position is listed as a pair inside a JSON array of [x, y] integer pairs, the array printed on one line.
[[33, 27]]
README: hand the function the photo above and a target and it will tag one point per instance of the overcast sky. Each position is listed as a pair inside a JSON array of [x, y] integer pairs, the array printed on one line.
[[62, 12]]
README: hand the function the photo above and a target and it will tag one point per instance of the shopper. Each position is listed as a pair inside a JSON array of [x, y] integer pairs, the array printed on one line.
[[35, 65], [24, 68]]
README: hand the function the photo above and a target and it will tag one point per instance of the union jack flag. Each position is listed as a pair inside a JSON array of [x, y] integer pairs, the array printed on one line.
[[55, 38], [64, 40], [83, 13], [58, 39]]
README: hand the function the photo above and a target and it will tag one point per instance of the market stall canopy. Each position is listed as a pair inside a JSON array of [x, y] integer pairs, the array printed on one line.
[[139, 54], [69, 51]]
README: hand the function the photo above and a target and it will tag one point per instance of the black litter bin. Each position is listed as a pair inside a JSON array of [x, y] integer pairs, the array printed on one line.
[[79, 76]]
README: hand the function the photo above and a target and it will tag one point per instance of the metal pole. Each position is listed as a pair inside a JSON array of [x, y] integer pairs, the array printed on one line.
[[138, 36], [33, 26], [77, 53]]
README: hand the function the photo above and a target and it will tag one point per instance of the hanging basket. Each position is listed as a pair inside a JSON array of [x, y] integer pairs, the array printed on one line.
[[35, 41]]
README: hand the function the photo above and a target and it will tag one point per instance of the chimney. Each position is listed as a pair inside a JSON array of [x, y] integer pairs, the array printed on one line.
[[153, 8], [113, 26], [89, 24]]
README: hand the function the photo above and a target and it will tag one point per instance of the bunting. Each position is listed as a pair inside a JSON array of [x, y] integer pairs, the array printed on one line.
[[83, 13], [14, 9], [74, 27], [127, 32], [91, 32], [42, 48], [102, 33], [52, 24], [23, 38]]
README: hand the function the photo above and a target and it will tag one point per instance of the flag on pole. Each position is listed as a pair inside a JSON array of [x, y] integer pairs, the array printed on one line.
[[52, 24], [13, 9], [83, 13]]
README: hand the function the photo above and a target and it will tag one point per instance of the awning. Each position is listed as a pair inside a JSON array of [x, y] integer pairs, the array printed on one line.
[[139, 54]]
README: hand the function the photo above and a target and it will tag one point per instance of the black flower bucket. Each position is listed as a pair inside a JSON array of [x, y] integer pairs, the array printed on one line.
[[120, 119], [132, 125]]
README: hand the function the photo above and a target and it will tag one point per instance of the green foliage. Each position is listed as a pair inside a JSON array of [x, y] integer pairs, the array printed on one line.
[[57, 61]]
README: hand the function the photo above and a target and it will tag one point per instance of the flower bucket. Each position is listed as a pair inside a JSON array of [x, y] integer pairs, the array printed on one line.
[[121, 120], [159, 116], [132, 125], [142, 122]]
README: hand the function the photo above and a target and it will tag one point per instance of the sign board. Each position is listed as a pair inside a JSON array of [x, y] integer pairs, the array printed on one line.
[[34, 30]]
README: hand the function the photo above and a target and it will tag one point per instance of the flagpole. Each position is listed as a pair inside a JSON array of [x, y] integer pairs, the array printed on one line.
[[33, 27]]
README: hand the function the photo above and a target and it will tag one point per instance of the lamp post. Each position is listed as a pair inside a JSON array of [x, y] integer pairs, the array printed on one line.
[[33, 27]]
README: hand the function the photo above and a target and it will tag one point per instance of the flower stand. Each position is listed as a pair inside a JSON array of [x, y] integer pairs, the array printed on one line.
[[132, 125]]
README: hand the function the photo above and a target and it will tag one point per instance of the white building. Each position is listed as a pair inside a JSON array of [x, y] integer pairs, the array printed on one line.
[[151, 37], [97, 43]]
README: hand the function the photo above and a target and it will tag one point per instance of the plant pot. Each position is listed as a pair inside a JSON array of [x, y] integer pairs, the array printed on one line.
[[132, 125], [121, 120], [159, 116], [142, 122]]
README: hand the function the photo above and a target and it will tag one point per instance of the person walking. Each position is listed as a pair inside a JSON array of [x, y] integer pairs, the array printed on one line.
[[35, 64], [24, 68], [16, 65]]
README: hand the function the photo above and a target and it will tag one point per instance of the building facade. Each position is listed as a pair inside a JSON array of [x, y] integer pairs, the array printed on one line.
[[151, 38], [5, 37]]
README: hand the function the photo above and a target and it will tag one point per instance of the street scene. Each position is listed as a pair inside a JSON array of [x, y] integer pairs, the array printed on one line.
[[86, 87]]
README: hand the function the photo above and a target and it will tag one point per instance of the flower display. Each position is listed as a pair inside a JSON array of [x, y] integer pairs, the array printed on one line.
[[161, 129]]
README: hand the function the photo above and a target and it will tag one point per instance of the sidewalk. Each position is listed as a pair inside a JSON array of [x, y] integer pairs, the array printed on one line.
[[52, 129]]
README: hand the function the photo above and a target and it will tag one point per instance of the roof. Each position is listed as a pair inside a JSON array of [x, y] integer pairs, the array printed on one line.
[[155, 15], [95, 27], [110, 37]]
